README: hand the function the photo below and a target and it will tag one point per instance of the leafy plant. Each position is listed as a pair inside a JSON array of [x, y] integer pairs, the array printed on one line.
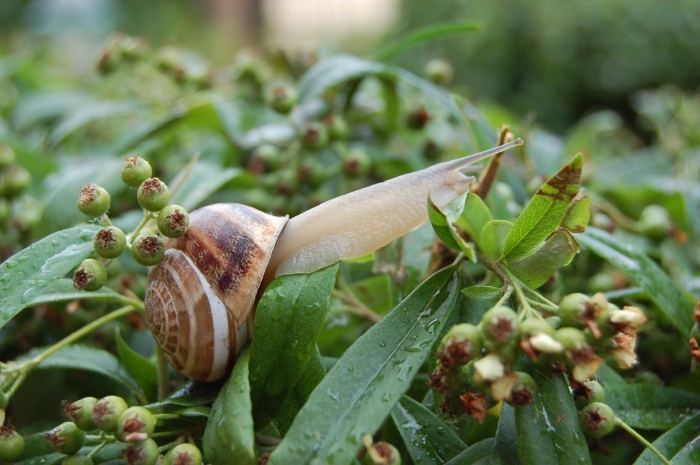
[[495, 336]]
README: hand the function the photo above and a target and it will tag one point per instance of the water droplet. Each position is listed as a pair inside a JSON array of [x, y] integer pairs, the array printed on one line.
[[351, 368], [41, 283], [55, 243], [382, 344], [10, 264]]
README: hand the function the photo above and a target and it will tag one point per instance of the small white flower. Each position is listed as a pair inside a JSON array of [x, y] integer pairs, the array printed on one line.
[[546, 344], [624, 353], [629, 319], [489, 368]]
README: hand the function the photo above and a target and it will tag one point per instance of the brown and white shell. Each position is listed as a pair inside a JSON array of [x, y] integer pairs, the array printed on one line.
[[200, 297]]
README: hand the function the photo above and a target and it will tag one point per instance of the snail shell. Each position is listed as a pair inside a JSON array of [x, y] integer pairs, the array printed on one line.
[[200, 296]]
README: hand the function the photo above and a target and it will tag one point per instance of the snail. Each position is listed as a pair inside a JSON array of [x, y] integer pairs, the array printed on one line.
[[200, 298]]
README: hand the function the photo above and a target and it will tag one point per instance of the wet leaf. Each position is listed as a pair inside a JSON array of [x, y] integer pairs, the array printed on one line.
[[426, 437], [141, 369], [362, 387], [505, 445], [680, 444], [545, 211], [651, 407], [90, 114], [27, 274], [493, 236], [539, 265], [482, 292], [474, 216], [658, 285], [446, 232], [434, 31], [229, 436], [63, 290], [202, 181], [288, 321], [578, 215], [476, 454]]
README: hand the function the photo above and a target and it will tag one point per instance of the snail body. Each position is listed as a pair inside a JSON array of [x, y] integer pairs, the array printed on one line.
[[200, 298]]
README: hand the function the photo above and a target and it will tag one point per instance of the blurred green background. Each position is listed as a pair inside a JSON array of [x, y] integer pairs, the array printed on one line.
[[549, 61]]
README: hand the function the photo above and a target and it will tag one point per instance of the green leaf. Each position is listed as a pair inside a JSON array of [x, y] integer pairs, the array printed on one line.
[[535, 443], [660, 288], [446, 232], [505, 446], [608, 376], [675, 443], [493, 236], [26, 274], [436, 31], [651, 407], [362, 387], [391, 103], [474, 216], [202, 180], [545, 211], [143, 370], [313, 374], [535, 268], [426, 437], [191, 395], [229, 436], [288, 321], [89, 114], [79, 357], [476, 454], [578, 215], [63, 290], [558, 405], [482, 292]]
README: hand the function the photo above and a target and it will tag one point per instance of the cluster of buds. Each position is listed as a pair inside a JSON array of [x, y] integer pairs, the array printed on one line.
[[110, 242], [18, 209], [695, 341], [120, 49], [475, 366]]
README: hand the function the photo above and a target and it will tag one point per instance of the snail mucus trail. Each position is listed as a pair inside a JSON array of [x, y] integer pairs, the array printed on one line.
[[200, 298]]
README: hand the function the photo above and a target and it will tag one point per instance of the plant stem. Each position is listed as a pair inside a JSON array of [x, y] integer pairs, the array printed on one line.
[[147, 216], [162, 367], [345, 293], [170, 445], [166, 416], [642, 441], [527, 309]]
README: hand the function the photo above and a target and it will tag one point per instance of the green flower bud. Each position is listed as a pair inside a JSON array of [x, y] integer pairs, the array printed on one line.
[[184, 454], [282, 98], [573, 309], [93, 200], [7, 156], [462, 343], [11, 444], [109, 61], [439, 71], [77, 460], [13, 181], [148, 249], [135, 171], [153, 194], [173, 221], [107, 411], [265, 159], [570, 338], [110, 242], [338, 128], [66, 438], [142, 453], [80, 412], [500, 325], [588, 392], [597, 419], [286, 182], [312, 172], [315, 136], [356, 163], [523, 390], [533, 326], [654, 222], [418, 118], [132, 48], [90, 275], [136, 424]]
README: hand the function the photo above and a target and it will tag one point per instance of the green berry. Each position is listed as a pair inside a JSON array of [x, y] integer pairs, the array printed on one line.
[[338, 128], [418, 118], [110, 242], [265, 159], [315, 136], [142, 453], [153, 194], [356, 163], [66, 438], [77, 460], [282, 98], [93, 200], [107, 411], [90, 275], [439, 71], [573, 309], [7, 156], [81, 412], [286, 182], [523, 391], [13, 181], [148, 249], [463, 342], [312, 172], [11, 444], [132, 48], [597, 419], [173, 221], [135, 171], [570, 338], [109, 61], [500, 325], [588, 392], [184, 454], [654, 222], [533, 326], [136, 424]]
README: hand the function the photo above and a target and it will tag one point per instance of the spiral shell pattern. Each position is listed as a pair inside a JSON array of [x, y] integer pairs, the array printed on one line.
[[199, 298]]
